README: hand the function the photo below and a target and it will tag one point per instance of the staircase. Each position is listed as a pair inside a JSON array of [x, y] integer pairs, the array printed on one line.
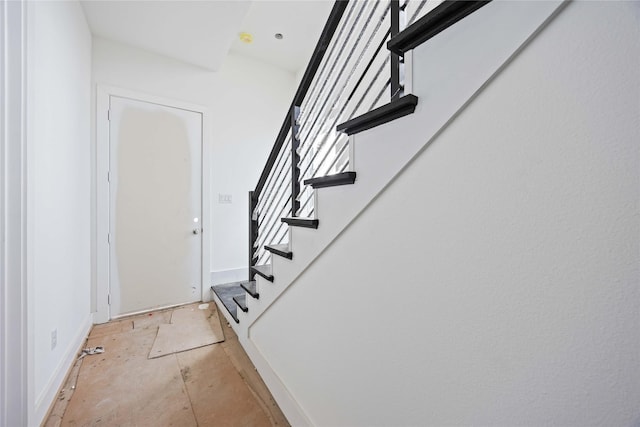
[[369, 86], [356, 122]]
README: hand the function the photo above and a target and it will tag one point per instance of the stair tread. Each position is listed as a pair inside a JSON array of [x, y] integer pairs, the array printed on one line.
[[437, 20], [264, 271], [241, 301], [280, 246], [381, 115], [226, 292], [343, 178], [301, 222], [280, 249], [251, 288]]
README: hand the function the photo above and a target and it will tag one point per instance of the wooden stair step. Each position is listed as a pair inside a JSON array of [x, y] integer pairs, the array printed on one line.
[[381, 115], [264, 271], [343, 178], [282, 250], [437, 20], [301, 222], [251, 288], [241, 301]]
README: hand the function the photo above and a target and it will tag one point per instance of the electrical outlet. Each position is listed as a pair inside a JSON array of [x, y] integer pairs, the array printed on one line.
[[54, 338]]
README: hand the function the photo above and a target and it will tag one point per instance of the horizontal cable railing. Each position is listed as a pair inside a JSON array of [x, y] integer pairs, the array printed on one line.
[[351, 72], [416, 9], [274, 204], [353, 80], [276, 194]]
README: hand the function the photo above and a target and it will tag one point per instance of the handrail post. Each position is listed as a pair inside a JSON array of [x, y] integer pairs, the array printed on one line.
[[395, 58], [253, 233], [295, 161]]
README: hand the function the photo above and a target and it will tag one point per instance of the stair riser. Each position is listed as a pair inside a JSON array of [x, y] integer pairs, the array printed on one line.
[[243, 318], [267, 290], [251, 293]]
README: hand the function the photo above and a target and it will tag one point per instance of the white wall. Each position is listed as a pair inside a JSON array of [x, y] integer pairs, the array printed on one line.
[[250, 111], [496, 280], [58, 193], [247, 99]]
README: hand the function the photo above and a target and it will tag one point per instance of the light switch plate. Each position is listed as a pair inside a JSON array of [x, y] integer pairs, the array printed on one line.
[[224, 198]]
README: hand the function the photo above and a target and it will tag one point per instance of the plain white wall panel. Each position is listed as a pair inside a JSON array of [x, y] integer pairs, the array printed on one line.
[[58, 194]]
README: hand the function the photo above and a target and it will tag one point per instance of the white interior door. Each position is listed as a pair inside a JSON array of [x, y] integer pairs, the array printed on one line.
[[155, 188]]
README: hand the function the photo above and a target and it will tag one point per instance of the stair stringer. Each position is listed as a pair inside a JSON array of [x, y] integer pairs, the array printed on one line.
[[444, 84]]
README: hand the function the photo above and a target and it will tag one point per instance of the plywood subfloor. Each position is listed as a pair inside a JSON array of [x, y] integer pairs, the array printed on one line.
[[191, 327], [214, 385]]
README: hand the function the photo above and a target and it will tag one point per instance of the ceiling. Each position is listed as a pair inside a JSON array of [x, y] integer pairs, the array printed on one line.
[[300, 22], [203, 32]]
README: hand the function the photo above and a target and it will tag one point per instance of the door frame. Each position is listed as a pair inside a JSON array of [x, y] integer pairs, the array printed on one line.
[[16, 299], [101, 206]]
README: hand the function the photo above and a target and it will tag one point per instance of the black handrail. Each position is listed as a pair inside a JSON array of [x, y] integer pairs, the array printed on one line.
[[321, 47]]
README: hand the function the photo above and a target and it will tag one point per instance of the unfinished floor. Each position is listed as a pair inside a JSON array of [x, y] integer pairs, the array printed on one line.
[[214, 385]]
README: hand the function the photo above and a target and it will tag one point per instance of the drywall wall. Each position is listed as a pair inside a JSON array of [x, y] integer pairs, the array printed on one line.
[[247, 101], [58, 194], [252, 108], [496, 280]]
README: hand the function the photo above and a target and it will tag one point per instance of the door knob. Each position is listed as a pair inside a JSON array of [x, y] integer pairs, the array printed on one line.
[[196, 231]]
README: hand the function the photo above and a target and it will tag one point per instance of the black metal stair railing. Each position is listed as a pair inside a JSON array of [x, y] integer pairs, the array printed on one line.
[[350, 73], [353, 79]]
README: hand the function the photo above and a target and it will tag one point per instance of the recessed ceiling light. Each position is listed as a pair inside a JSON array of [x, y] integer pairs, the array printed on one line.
[[246, 38], [278, 36]]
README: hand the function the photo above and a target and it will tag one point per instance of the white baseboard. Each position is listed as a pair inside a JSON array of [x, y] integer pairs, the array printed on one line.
[[228, 276], [46, 399], [223, 276], [289, 406], [294, 413]]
